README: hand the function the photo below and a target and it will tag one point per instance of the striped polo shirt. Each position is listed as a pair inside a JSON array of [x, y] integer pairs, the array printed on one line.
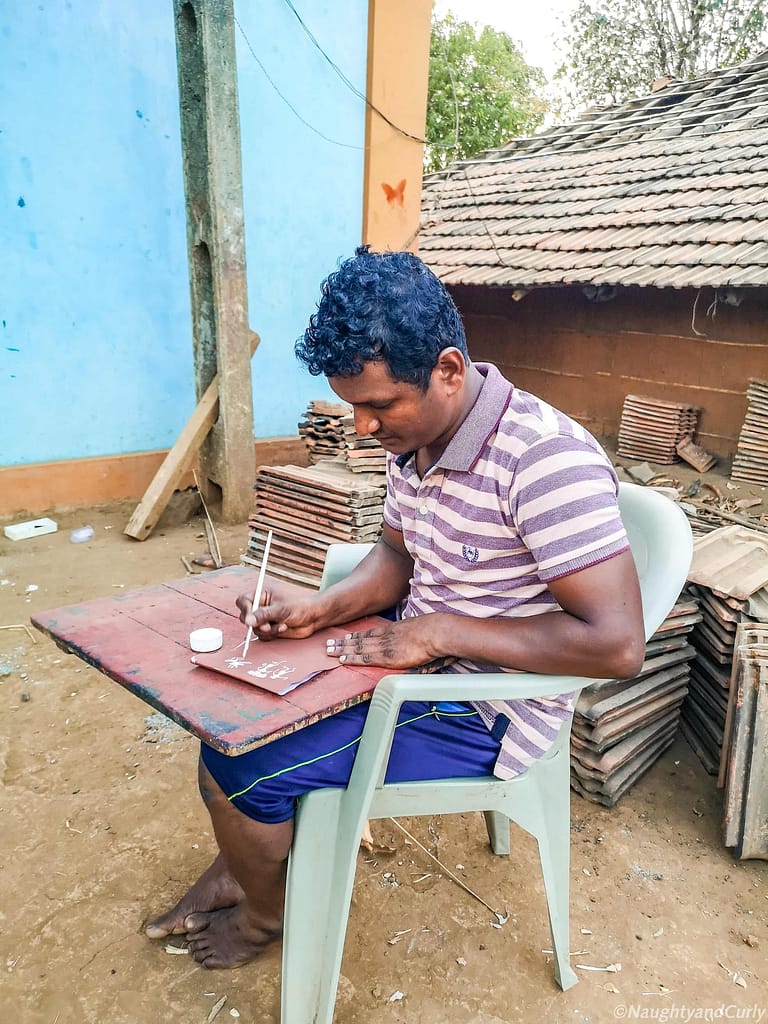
[[522, 495]]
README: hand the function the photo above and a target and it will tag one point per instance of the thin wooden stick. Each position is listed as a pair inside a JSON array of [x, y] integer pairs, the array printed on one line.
[[730, 516], [213, 540], [500, 917], [26, 629], [257, 594]]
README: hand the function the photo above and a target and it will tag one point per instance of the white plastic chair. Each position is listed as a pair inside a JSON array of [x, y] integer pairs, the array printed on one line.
[[329, 822]]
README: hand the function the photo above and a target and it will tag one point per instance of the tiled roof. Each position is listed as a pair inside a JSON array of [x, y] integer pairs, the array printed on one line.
[[669, 190]]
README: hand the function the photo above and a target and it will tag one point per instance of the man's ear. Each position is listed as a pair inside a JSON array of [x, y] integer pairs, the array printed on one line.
[[451, 369]]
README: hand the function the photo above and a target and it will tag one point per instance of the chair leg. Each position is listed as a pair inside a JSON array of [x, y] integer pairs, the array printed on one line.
[[554, 853], [321, 875], [307, 994], [497, 825]]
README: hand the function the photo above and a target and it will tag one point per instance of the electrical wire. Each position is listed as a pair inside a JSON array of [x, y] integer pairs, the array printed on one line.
[[287, 102], [349, 84], [360, 95]]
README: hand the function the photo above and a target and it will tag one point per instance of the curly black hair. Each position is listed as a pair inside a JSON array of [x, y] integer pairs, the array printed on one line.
[[381, 306]]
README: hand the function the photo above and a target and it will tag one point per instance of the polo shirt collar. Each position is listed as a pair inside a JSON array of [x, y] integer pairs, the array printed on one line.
[[482, 420]]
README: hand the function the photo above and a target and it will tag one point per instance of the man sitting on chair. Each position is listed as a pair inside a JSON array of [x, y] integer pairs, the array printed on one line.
[[502, 549]]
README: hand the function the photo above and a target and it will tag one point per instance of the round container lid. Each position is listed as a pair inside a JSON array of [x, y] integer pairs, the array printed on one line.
[[203, 640]]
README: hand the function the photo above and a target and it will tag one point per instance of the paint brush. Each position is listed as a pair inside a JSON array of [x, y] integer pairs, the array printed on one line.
[[257, 594]]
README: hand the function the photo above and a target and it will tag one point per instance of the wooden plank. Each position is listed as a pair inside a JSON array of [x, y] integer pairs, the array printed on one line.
[[177, 461]]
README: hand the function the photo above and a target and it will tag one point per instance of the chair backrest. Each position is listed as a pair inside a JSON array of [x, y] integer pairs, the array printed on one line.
[[662, 547], [340, 560], [659, 536]]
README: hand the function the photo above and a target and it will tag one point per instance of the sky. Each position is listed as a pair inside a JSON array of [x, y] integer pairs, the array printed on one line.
[[533, 22]]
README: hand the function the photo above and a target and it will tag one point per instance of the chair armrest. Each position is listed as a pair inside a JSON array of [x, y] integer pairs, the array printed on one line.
[[475, 686], [373, 753]]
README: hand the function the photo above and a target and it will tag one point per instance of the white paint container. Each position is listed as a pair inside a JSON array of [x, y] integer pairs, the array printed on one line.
[[204, 640]]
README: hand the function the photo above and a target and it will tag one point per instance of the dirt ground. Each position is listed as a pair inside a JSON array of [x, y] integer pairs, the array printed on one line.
[[102, 829]]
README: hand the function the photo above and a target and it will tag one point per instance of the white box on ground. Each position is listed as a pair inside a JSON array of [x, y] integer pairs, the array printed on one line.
[[32, 528]]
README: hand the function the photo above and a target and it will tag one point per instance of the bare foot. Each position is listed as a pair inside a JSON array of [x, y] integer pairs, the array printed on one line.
[[214, 889], [228, 938]]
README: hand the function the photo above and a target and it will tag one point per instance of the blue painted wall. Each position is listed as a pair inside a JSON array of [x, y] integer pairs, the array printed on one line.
[[302, 192], [95, 337]]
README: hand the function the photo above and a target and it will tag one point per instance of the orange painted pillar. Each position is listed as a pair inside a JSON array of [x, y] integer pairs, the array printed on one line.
[[398, 74]]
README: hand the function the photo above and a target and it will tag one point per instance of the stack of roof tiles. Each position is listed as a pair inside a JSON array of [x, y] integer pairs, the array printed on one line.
[[651, 428], [667, 190], [751, 460], [729, 576], [364, 454], [621, 728], [704, 711], [308, 509], [321, 427]]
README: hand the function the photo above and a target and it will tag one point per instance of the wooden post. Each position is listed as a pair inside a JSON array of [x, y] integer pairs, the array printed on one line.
[[398, 76], [210, 136]]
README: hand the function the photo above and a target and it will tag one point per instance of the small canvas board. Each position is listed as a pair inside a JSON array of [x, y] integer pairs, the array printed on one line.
[[279, 666]]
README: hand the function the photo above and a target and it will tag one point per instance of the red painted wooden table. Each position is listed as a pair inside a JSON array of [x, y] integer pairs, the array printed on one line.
[[141, 640]]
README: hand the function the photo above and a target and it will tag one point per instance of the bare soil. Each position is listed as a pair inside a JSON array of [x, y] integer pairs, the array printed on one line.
[[102, 829]]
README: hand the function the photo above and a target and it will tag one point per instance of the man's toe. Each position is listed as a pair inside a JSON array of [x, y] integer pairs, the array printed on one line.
[[194, 923], [161, 927]]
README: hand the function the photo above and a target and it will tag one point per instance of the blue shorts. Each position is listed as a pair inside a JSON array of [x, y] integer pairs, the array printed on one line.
[[428, 744]]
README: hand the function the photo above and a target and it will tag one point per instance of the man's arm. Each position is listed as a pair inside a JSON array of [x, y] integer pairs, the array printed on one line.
[[379, 581], [598, 632]]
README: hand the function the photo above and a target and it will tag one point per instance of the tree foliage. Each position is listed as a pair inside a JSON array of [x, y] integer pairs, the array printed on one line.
[[616, 49], [481, 92]]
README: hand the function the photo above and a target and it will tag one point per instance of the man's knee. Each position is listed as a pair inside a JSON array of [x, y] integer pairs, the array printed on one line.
[[210, 790]]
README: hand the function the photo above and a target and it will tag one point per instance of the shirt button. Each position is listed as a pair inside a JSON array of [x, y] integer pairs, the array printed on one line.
[[423, 510]]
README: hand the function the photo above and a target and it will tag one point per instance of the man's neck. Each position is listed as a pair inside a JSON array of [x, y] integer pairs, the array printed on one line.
[[428, 456]]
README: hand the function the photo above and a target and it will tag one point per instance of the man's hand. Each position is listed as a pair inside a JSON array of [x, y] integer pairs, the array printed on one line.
[[598, 631], [282, 612], [378, 582], [398, 645]]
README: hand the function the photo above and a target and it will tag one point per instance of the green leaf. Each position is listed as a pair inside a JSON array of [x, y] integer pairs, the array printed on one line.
[[482, 92]]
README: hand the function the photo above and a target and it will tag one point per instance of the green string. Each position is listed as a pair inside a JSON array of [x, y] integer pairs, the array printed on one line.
[[346, 746]]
